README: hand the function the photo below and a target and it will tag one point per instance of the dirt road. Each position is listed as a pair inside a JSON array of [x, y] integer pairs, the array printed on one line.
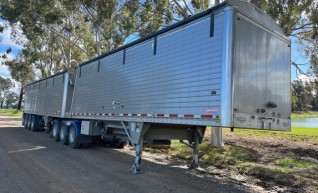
[[34, 163]]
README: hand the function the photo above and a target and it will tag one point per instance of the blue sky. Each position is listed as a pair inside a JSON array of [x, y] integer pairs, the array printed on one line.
[[6, 42]]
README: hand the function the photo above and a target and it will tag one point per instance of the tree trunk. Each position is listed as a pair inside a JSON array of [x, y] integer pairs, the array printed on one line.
[[1, 104], [20, 98]]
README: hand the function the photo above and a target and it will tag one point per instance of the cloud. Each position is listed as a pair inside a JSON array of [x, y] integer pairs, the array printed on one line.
[[6, 37], [4, 72], [5, 43], [307, 78]]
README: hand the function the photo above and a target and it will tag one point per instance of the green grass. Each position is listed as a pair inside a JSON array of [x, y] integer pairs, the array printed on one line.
[[304, 131], [302, 115], [291, 163], [296, 134], [294, 130], [11, 113]]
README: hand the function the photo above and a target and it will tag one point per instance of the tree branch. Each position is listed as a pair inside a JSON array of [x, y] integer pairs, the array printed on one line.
[[185, 3], [302, 27], [180, 9]]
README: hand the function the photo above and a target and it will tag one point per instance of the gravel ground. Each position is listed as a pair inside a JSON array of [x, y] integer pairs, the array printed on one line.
[[31, 162]]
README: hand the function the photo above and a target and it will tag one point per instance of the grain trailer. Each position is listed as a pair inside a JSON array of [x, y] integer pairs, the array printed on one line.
[[228, 66]]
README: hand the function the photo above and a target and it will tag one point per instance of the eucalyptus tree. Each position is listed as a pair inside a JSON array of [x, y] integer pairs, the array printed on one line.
[[56, 32], [11, 97], [21, 72], [5, 85]]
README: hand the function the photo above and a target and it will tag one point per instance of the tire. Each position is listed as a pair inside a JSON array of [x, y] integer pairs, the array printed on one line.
[[23, 120], [118, 144], [73, 139], [49, 129], [63, 134], [56, 130], [26, 117], [30, 117], [34, 125]]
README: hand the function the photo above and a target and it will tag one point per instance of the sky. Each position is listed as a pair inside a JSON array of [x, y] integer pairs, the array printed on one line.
[[6, 42]]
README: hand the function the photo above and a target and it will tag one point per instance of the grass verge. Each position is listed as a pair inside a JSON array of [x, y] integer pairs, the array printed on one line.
[[301, 115], [297, 134], [11, 113], [271, 162]]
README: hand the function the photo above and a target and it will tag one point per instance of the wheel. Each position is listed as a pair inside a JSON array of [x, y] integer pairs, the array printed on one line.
[[30, 117], [119, 144], [63, 134], [49, 129], [23, 120], [73, 137], [26, 119], [56, 130], [34, 125]]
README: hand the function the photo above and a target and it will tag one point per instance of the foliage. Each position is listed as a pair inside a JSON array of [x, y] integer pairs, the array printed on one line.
[[5, 85], [301, 115], [298, 19], [304, 95], [11, 97], [63, 33], [21, 72]]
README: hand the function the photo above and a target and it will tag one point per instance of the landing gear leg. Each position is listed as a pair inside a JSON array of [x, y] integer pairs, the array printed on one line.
[[195, 157], [135, 133], [135, 169]]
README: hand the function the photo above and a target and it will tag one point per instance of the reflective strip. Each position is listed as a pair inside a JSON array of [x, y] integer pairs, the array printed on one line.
[[204, 116]]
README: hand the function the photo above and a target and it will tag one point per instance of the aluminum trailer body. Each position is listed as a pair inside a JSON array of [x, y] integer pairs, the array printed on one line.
[[226, 67]]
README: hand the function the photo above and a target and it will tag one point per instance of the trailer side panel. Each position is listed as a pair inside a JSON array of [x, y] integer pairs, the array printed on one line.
[[173, 77]]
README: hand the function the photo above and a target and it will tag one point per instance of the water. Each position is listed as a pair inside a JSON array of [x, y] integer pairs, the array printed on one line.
[[307, 122]]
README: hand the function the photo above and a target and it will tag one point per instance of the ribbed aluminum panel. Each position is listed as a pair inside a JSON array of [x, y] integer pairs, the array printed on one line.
[[45, 97], [261, 75], [183, 77]]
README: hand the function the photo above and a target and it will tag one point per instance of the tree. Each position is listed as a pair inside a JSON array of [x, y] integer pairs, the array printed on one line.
[[21, 72], [5, 86], [294, 99], [56, 32], [298, 19], [314, 102], [11, 97]]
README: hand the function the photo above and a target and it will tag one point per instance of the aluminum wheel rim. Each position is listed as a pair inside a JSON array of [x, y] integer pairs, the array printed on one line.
[[62, 133], [54, 130], [72, 135]]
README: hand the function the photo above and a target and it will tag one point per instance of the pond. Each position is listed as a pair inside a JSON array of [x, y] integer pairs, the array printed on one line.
[[306, 122]]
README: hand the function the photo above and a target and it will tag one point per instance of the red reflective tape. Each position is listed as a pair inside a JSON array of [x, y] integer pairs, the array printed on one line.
[[113, 114], [134, 115], [206, 116], [188, 115], [144, 115], [160, 115], [173, 115], [125, 114]]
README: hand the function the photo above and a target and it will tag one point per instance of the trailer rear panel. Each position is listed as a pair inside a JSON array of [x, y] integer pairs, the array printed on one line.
[[261, 77]]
